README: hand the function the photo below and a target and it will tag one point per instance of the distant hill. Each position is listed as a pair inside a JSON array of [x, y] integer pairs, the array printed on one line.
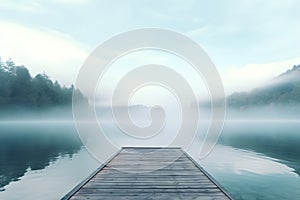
[[294, 72], [284, 90], [19, 90]]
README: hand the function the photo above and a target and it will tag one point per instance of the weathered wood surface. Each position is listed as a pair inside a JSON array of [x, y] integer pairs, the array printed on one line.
[[139, 178]]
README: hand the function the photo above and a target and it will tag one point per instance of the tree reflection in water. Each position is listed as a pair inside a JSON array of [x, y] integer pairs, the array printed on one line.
[[31, 146]]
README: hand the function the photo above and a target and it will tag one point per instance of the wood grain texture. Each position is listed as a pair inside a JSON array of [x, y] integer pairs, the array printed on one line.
[[133, 174]]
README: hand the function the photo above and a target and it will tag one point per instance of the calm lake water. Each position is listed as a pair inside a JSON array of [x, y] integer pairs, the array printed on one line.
[[253, 160]]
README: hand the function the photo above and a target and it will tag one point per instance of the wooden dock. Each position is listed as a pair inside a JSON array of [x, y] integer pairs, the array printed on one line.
[[140, 178]]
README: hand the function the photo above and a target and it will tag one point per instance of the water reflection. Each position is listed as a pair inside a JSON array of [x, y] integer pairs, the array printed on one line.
[[254, 160], [250, 175], [277, 139], [257, 159], [238, 161], [25, 147]]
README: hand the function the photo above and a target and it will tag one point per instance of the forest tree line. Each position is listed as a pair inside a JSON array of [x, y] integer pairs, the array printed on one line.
[[284, 91], [19, 89]]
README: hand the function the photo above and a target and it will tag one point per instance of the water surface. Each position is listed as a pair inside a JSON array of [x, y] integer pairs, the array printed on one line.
[[253, 160]]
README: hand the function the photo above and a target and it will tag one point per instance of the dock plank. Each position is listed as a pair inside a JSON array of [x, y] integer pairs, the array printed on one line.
[[181, 179]]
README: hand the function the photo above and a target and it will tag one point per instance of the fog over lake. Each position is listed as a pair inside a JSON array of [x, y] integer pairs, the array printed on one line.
[[254, 157], [81, 79]]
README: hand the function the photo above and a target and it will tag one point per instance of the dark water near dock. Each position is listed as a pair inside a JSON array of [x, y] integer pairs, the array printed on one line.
[[253, 160]]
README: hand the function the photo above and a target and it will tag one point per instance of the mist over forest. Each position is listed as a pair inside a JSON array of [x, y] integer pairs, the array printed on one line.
[[39, 97], [279, 99], [20, 93], [283, 90]]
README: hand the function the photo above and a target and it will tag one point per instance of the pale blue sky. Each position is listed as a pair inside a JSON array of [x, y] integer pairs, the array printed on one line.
[[241, 36]]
